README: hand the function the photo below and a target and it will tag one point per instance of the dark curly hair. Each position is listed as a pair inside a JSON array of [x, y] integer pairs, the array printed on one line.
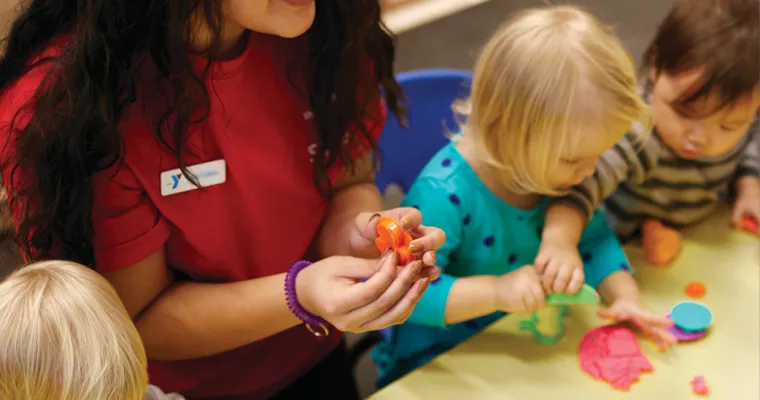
[[73, 130]]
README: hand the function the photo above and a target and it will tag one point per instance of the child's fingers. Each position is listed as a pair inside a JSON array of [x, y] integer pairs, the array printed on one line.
[[576, 281], [562, 278], [607, 314], [549, 275], [653, 320], [429, 258], [431, 239], [541, 261], [539, 297], [662, 338]]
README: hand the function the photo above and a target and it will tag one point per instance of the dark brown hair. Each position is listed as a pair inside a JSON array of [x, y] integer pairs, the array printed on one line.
[[74, 133], [718, 36]]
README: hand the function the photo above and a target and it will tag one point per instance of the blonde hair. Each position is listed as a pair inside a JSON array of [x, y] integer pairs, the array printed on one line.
[[65, 335], [546, 77]]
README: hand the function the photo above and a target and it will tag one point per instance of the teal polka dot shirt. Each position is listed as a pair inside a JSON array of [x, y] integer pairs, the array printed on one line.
[[484, 236]]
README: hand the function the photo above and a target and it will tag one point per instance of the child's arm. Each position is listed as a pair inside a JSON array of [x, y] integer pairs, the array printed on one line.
[[748, 181], [608, 270], [452, 299], [629, 159], [518, 291]]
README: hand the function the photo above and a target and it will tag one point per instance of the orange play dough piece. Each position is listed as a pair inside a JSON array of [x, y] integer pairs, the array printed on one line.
[[695, 290], [661, 243], [749, 224], [391, 236]]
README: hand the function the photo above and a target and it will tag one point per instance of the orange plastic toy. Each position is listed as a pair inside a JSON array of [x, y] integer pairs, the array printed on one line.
[[662, 244], [695, 290], [391, 236], [749, 224]]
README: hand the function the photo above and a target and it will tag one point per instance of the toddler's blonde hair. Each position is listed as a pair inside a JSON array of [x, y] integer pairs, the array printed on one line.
[[65, 335], [547, 77]]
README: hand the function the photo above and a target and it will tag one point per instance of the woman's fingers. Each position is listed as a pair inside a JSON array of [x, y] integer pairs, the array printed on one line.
[[363, 293], [401, 310], [389, 297]]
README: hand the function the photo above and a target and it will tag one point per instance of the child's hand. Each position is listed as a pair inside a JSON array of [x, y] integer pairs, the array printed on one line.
[[427, 239], [560, 267], [650, 324], [520, 291], [748, 200]]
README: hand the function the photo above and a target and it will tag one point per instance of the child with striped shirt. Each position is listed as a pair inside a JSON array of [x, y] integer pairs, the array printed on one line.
[[704, 91]]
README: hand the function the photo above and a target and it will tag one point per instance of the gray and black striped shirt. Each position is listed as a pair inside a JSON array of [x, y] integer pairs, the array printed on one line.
[[637, 180]]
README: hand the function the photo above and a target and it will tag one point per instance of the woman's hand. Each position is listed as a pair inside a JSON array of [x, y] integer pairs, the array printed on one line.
[[650, 324], [358, 295], [427, 239]]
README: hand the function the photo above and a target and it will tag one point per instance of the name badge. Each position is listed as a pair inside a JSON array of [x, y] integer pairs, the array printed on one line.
[[208, 174]]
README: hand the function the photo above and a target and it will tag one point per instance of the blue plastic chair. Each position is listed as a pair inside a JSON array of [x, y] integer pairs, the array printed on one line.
[[405, 151]]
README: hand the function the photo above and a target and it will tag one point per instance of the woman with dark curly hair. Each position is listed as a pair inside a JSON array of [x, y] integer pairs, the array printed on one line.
[[194, 152]]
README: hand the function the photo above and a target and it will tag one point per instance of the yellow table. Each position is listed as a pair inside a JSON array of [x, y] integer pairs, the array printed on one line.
[[503, 363]]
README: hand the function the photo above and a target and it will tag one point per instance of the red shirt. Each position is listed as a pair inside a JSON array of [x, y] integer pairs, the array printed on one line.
[[255, 224]]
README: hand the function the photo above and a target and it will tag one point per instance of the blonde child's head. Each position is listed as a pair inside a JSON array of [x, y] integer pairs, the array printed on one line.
[[552, 90], [64, 335]]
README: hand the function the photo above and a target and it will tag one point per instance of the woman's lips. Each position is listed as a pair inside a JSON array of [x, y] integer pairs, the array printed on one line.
[[298, 2]]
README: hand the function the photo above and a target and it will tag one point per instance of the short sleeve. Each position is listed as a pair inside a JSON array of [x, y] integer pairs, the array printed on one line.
[[128, 227], [432, 199], [601, 251]]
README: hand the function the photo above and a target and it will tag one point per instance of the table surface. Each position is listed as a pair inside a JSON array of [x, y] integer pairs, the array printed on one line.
[[503, 363]]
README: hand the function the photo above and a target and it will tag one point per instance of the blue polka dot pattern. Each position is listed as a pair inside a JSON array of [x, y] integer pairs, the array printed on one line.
[[466, 220], [446, 162], [586, 257], [512, 258], [488, 241], [454, 199]]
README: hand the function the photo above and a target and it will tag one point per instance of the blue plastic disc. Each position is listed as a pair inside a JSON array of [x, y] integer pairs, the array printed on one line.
[[691, 316]]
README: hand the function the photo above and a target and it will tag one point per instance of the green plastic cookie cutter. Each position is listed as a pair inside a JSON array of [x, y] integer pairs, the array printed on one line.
[[531, 325], [586, 295]]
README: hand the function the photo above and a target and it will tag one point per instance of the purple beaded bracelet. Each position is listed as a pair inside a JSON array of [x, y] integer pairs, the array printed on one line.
[[314, 324]]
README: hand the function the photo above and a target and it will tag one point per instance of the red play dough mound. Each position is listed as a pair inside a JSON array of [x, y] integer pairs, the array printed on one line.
[[611, 353]]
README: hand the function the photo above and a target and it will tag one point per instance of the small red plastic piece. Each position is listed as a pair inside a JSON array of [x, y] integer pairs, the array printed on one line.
[[611, 353], [390, 235], [695, 290], [749, 224], [699, 386]]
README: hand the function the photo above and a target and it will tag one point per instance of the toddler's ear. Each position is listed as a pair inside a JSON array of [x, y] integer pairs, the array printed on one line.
[[653, 74]]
